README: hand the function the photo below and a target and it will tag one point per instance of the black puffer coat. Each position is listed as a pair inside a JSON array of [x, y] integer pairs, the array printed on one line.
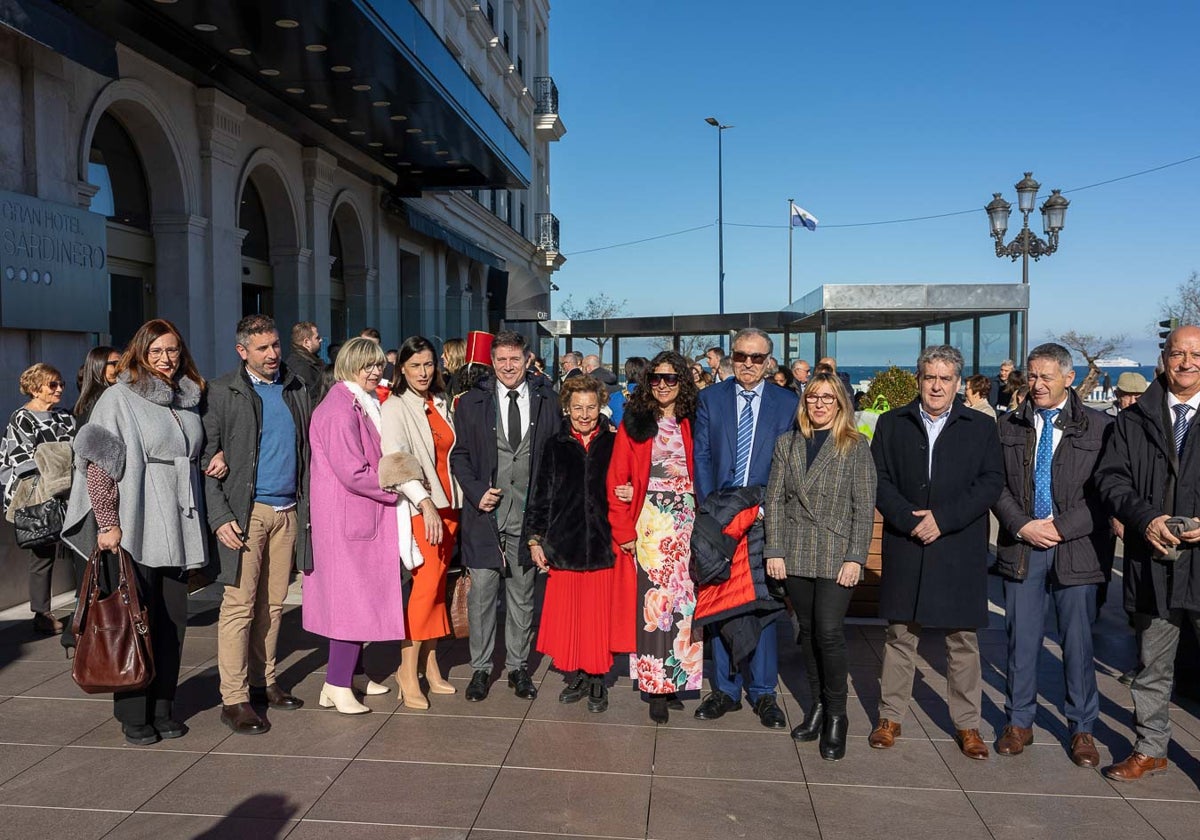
[[568, 506]]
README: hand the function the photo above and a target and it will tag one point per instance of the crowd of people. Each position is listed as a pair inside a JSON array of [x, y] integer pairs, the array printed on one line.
[[692, 507]]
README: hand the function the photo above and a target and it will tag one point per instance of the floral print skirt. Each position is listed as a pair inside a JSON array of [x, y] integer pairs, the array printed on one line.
[[670, 655]]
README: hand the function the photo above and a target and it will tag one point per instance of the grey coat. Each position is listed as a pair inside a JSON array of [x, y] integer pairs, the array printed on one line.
[[148, 437], [233, 425], [818, 518]]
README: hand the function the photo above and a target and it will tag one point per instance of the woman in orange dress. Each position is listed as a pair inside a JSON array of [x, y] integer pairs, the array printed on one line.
[[417, 438]]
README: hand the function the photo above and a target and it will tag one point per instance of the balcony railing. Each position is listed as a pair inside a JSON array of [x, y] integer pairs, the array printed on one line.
[[545, 94], [547, 231]]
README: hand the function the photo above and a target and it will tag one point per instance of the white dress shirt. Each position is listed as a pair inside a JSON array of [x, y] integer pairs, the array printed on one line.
[[502, 393], [933, 428]]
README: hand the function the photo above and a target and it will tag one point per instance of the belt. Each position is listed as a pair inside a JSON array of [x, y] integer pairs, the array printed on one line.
[[184, 486]]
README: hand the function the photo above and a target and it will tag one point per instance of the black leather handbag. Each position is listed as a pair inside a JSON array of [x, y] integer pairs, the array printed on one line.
[[40, 525]]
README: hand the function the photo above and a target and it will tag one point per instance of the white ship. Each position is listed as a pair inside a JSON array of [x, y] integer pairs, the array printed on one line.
[[1118, 362]]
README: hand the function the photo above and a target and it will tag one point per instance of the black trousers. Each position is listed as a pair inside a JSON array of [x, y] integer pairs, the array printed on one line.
[[164, 594], [820, 606], [41, 570]]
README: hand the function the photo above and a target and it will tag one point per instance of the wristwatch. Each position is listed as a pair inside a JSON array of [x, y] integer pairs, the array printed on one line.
[[534, 541]]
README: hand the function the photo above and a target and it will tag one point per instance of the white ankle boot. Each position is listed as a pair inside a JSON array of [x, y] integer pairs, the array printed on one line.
[[342, 699], [365, 685]]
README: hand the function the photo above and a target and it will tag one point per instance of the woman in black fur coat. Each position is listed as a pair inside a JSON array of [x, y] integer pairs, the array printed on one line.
[[569, 536]]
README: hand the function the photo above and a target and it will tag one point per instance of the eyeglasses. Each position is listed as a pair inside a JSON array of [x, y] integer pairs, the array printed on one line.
[[375, 366], [755, 358], [671, 379], [159, 352], [823, 399], [113, 363], [56, 384]]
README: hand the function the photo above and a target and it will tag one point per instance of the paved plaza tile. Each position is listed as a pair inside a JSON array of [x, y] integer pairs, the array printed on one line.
[[512, 769]]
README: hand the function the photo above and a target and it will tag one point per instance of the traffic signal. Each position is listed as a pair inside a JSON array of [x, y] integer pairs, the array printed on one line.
[[1167, 325]]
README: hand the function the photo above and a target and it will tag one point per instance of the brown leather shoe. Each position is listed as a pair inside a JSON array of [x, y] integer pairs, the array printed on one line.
[[242, 719], [275, 697], [884, 734], [1134, 767], [1083, 750], [47, 622], [1013, 740], [971, 744]]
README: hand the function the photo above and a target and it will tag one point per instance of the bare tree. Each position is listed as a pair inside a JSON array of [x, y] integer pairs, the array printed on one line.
[[1185, 305], [595, 308], [691, 346], [1091, 348]]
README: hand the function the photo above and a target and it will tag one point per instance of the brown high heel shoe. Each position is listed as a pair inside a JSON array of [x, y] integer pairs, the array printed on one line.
[[427, 662]]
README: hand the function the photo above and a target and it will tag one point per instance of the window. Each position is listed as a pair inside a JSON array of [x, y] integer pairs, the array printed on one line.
[[116, 168]]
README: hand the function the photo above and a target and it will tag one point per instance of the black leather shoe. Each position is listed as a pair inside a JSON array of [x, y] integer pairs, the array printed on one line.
[[139, 736], [674, 703], [477, 688], [810, 729], [168, 728], [659, 706], [576, 688], [833, 737], [243, 720], [716, 705], [275, 697], [769, 713], [598, 695], [521, 684]]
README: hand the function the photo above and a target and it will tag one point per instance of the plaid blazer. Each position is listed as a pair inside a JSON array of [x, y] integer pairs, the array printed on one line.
[[819, 518]]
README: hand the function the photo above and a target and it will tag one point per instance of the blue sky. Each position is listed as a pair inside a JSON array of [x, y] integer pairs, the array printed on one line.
[[870, 111]]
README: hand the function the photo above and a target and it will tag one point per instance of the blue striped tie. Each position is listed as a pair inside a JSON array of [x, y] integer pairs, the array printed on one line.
[[1043, 502], [745, 436], [1181, 426]]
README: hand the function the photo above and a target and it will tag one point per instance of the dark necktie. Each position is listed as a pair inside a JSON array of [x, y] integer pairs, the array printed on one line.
[[1181, 426], [1043, 502], [514, 421]]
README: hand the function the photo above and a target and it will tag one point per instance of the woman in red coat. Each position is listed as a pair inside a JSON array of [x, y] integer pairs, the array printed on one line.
[[653, 527]]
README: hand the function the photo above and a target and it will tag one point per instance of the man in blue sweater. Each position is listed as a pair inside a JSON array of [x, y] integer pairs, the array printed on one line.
[[257, 416]]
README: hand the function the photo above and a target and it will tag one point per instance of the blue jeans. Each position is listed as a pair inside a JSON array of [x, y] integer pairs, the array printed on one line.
[[1024, 617], [763, 666]]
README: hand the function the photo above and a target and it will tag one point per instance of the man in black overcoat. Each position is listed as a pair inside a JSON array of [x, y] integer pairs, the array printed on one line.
[[940, 470]]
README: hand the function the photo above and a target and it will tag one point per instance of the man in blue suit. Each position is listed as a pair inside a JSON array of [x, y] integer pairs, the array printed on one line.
[[737, 423]]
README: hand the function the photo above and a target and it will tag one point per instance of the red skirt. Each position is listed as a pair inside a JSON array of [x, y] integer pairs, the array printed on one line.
[[576, 628]]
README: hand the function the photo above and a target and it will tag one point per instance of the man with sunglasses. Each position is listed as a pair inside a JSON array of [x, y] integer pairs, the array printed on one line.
[[737, 423]]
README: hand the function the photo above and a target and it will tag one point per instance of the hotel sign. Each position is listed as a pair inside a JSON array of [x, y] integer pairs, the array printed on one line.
[[53, 266]]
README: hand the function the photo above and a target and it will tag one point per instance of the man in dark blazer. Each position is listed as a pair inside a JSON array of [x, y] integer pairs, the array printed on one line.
[[940, 470], [501, 428], [743, 415], [1149, 473], [1054, 542]]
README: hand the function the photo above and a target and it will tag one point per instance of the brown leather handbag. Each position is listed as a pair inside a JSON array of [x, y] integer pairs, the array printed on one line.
[[458, 605], [112, 633]]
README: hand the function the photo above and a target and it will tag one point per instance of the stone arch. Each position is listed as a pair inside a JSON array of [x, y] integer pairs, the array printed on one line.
[[267, 171], [168, 170], [346, 214]]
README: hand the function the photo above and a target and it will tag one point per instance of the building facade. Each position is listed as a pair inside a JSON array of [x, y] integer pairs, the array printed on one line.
[[356, 164]]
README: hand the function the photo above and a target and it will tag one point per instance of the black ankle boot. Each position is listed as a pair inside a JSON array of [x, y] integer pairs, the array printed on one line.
[[833, 737], [810, 729], [659, 705], [598, 695]]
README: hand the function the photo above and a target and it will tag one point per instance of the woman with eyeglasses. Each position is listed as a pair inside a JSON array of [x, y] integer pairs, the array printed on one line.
[[138, 486], [98, 373], [569, 537], [819, 511], [353, 593], [38, 421], [652, 507]]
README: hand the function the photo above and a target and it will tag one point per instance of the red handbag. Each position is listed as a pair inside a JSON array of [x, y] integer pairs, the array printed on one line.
[[112, 634]]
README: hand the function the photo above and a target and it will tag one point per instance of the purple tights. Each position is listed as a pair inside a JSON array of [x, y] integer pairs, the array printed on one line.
[[345, 660]]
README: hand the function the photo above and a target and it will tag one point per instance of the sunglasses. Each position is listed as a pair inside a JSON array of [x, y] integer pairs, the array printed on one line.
[[56, 383], [755, 358], [113, 363], [671, 379]]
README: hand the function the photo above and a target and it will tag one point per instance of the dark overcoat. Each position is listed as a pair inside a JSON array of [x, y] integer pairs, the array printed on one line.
[[233, 425], [1140, 478], [474, 459], [943, 584]]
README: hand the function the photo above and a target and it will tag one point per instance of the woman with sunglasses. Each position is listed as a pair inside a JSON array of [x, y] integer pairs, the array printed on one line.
[[38, 421], [653, 527], [819, 512]]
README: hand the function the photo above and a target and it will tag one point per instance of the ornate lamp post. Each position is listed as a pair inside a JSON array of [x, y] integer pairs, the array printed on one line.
[[715, 123], [1027, 244]]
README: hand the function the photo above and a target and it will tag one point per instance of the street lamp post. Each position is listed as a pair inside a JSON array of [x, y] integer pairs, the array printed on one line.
[[715, 123], [1027, 244]]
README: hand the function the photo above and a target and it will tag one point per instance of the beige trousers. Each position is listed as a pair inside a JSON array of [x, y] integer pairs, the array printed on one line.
[[964, 674], [248, 627]]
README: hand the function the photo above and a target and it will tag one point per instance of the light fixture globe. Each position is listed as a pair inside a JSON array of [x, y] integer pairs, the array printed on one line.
[[1027, 190], [998, 210], [1054, 212]]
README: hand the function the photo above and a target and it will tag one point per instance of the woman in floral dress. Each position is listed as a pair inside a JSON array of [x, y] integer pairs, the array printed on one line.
[[651, 509]]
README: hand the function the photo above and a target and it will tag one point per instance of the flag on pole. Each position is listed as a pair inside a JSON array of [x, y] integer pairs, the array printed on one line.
[[802, 218]]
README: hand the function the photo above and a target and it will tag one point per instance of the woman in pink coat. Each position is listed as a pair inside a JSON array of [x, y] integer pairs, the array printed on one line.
[[352, 595]]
